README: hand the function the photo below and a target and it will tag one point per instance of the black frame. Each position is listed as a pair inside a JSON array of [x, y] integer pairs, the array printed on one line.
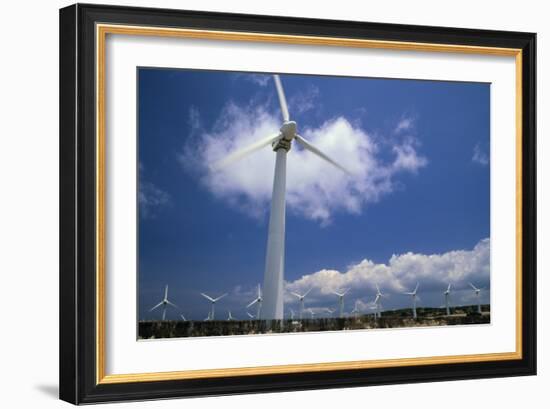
[[77, 204]]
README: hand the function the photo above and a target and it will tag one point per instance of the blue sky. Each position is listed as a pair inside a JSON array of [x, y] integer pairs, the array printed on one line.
[[415, 209]]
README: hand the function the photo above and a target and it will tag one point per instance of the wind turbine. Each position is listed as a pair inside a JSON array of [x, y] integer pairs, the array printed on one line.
[[355, 310], [213, 301], [301, 299], [330, 311], [164, 304], [447, 295], [477, 291], [341, 301], [229, 316], [312, 313], [378, 302], [281, 143], [257, 300], [413, 295], [291, 314]]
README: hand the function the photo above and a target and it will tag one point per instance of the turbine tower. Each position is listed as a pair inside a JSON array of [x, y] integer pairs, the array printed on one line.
[[413, 296], [447, 295], [477, 291], [213, 303], [341, 301], [301, 299], [258, 301], [275, 252], [164, 304]]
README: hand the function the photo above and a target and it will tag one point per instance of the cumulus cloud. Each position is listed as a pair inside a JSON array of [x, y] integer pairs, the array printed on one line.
[[151, 199], [304, 101], [480, 156], [315, 189], [401, 273], [404, 124]]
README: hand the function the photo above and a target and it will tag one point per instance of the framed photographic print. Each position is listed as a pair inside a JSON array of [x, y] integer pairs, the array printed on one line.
[[257, 203]]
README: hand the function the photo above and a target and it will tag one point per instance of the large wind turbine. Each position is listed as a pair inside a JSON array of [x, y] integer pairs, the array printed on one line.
[[413, 296], [341, 301], [477, 291], [275, 253], [213, 302], [164, 304], [301, 299], [447, 295], [258, 301]]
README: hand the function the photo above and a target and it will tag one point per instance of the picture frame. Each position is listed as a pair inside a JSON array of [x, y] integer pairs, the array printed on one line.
[[83, 181]]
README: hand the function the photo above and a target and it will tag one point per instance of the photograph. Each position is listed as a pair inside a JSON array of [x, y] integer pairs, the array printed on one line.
[[289, 202]]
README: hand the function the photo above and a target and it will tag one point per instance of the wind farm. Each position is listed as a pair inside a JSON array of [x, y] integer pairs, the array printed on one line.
[[285, 203], [368, 316]]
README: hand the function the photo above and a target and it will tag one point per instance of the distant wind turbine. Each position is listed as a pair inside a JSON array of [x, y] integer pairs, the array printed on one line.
[[355, 310], [378, 302], [281, 143], [229, 316], [447, 295], [477, 291], [164, 303], [213, 303], [413, 296], [341, 301], [311, 312], [330, 311], [291, 314], [301, 299], [258, 301]]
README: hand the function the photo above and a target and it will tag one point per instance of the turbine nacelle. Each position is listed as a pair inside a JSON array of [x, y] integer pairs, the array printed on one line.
[[288, 130]]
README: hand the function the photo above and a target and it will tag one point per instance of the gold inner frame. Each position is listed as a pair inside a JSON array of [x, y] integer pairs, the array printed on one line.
[[101, 33]]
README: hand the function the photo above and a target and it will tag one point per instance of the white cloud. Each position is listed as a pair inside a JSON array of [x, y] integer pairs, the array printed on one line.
[[480, 156], [401, 273], [315, 189], [151, 199], [405, 124], [259, 79], [304, 101]]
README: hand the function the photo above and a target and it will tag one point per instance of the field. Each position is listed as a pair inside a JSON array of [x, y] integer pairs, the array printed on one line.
[[389, 319]]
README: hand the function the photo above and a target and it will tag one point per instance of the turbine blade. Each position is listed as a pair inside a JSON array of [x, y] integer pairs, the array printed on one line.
[[252, 303], [317, 152], [473, 286], [172, 304], [241, 153], [449, 287], [282, 98], [165, 292], [156, 306], [296, 294], [220, 297], [416, 288], [207, 297], [307, 292]]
